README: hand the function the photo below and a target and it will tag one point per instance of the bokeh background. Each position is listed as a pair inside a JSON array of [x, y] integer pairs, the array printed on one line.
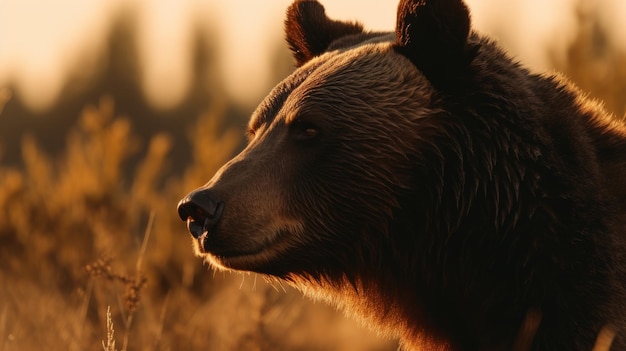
[[112, 110]]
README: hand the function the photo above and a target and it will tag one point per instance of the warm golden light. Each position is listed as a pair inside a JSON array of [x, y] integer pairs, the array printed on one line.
[[41, 41], [111, 110]]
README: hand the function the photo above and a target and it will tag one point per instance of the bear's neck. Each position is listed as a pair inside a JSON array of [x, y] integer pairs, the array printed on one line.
[[389, 314], [409, 289]]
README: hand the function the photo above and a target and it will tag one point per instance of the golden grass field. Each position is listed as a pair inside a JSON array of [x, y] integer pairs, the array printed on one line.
[[79, 241], [94, 258]]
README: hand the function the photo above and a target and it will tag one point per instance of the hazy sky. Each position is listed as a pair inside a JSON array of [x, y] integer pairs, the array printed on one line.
[[41, 40]]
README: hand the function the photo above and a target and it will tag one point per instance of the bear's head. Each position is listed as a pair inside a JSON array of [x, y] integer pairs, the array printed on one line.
[[373, 164], [332, 151]]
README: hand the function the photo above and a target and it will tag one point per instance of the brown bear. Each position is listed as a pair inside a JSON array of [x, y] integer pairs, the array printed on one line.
[[429, 184]]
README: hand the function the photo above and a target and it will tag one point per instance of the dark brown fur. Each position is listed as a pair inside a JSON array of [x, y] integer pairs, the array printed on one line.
[[428, 184], [311, 31]]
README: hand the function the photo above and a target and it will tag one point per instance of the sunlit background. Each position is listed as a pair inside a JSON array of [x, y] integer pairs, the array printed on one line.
[[115, 108], [45, 45]]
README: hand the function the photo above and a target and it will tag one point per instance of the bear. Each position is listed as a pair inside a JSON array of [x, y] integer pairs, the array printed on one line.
[[425, 182]]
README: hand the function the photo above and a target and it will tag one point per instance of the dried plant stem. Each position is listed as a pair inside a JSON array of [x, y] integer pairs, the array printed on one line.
[[144, 244], [110, 343], [129, 322], [139, 277]]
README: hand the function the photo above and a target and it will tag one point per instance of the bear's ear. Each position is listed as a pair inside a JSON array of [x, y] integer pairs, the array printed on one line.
[[433, 34], [309, 32]]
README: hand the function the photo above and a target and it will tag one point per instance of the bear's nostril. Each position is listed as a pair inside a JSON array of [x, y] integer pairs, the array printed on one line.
[[195, 228], [200, 211]]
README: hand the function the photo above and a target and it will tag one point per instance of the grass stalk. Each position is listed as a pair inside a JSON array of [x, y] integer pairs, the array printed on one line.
[[110, 343], [138, 278]]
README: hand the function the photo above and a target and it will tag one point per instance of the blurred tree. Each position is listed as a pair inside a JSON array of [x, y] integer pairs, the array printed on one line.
[[118, 76], [595, 65]]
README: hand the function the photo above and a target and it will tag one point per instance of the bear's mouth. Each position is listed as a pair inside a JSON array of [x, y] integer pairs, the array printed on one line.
[[221, 244], [242, 254], [208, 246], [238, 258]]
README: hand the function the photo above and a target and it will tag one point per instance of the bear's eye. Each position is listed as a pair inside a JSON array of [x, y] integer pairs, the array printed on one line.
[[304, 131]]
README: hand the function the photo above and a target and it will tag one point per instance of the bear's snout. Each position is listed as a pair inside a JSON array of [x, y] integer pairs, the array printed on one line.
[[201, 211]]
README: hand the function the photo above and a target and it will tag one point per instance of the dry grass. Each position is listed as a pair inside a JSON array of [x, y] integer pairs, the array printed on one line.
[[110, 344], [90, 240]]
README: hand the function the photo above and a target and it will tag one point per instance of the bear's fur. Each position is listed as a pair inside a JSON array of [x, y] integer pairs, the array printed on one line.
[[426, 182]]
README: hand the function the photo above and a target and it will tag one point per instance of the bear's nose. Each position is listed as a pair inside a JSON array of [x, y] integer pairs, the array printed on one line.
[[201, 211]]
